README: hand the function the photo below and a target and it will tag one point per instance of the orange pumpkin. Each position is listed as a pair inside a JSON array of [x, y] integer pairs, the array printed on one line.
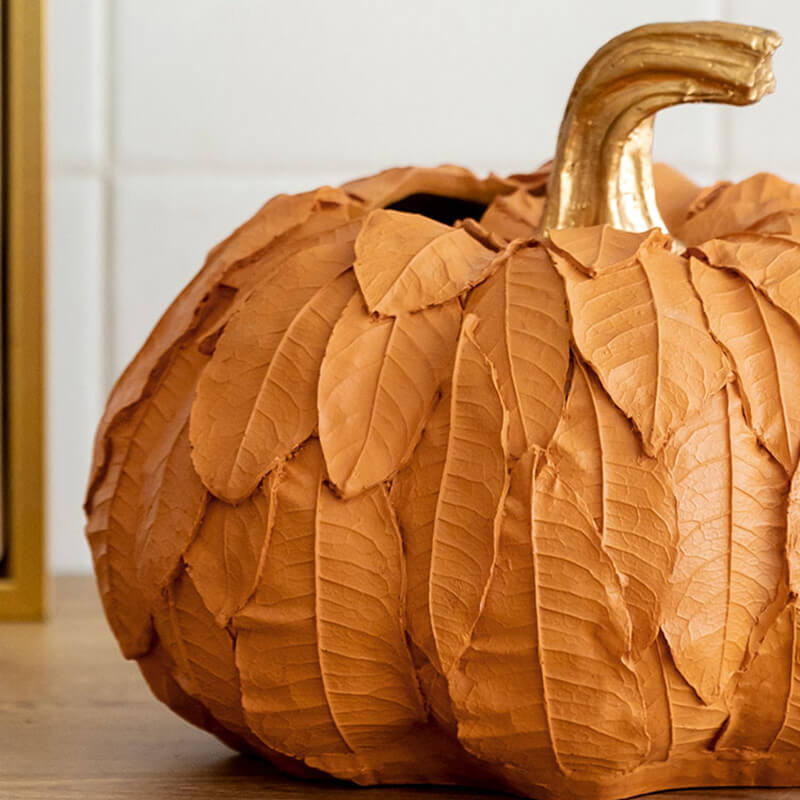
[[440, 479]]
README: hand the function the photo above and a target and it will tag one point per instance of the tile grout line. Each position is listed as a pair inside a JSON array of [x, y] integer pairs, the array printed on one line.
[[107, 184], [725, 118]]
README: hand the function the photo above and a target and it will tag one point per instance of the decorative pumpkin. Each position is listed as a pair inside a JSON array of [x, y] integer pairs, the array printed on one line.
[[401, 496]]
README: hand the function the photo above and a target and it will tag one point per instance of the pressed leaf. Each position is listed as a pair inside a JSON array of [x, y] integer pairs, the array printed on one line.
[[628, 494], [675, 194], [754, 724], [789, 737], [359, 587], [406, 262], [497, 686], [595, 708], [651, 675], [793, 533], [414, 494], [642, 330], [203, 653], [276, 227], [398, 183], [514, 216], [600, 248], [522, 327], [468, 511], [256, 400], [764, 346], [731, 553], [695, 725], [377, 385], [770, 263], [118, 508], [176, 509], [226, 557], [738, 206], [326, 622]]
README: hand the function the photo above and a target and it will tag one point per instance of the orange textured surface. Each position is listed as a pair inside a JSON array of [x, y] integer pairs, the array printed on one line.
[[407, 500]]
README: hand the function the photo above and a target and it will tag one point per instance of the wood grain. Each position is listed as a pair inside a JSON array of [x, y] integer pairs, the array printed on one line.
[[78, 722]]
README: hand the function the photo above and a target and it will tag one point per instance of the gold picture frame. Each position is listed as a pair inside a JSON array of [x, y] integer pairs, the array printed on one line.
[[22, 510]]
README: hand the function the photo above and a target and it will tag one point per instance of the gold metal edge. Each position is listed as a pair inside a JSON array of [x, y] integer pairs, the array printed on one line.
[[22, 593]]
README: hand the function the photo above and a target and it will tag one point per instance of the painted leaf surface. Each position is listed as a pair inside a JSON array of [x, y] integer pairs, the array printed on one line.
[[468, 511], [203, 653], [731, 553], [652, 679], [522, 327], [695, 725], [514, 216], [764, 346], [789, 738], [594, 704], [628, 495], [256, 400], [377, 386], [279, 223], [600, 248], [226, 557], [772, 264], [642, 330], [497, 686], [414, 494], [449, 180], [326, 621], [755, 724], [783, 224], [176, 510], [737, 207], [361, 626], [407, 262], [793, 533], [118, 508]]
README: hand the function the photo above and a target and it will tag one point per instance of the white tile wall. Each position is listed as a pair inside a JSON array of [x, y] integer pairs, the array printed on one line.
[[171, 121]]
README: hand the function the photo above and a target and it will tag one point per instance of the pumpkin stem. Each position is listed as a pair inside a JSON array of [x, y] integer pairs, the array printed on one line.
[[603, 170]]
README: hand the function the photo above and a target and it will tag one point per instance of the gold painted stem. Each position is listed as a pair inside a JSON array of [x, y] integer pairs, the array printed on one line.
[[603, 172]]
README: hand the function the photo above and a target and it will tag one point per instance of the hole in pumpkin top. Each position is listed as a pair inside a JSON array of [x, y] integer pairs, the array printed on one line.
[[443, 209]]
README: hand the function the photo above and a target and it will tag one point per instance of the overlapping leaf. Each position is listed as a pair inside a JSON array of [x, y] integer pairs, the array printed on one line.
[[771, 263], [695, 725], [278, 227], [226, 557], [320, 647], [595, 707], [789, 737], [731, 555], [793, 533], [737, 207], [497, 687], [627, 493], [377, 385], [468, 511], [764, 346], [449, 180], [143, 442], [414, 494], [407, 262], [203, 653], [175, 512], [754, 724], [514, 216], [256, 401], [641, 328], [600, 248], [652, 679], [522, 327]]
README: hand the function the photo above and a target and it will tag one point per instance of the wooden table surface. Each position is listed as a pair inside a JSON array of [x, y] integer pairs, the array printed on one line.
[[78, 722]]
